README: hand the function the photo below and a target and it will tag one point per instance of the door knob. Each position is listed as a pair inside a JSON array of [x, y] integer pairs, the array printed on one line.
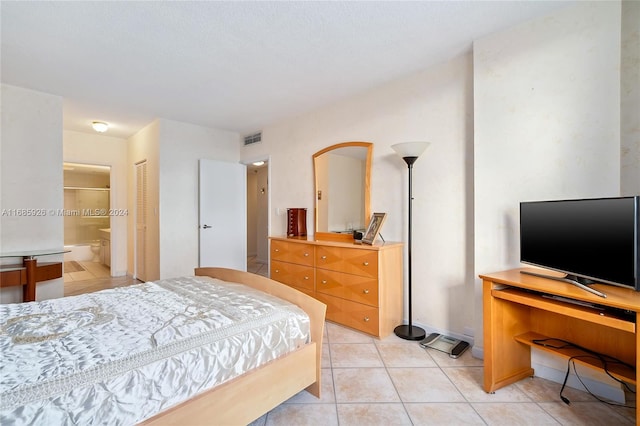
[[206, 226]]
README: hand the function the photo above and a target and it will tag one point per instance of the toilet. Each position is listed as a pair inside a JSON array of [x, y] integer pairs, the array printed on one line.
[[95, 250]]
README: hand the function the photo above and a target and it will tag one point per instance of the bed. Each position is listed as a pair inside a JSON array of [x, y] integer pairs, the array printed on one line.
[[220, 347]]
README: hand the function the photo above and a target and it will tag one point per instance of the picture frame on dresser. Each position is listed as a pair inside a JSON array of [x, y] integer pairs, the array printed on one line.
[[375, 224]]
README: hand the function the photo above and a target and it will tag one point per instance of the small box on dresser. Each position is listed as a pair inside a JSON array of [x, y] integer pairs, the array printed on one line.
[[361, 285]]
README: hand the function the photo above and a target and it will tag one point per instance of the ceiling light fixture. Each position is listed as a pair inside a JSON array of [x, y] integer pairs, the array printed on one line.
[[258, 163], [100, 126]]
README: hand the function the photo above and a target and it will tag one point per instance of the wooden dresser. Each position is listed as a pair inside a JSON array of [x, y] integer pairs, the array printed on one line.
[[360, 284]]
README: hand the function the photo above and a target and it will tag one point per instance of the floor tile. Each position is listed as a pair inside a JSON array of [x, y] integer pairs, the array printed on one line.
[[424, 385], [516, 413], [327, 393], [372, 414], [469, 381], [443, 413], [303, 414], [543, 390], [339, 334], [326, 356], [588, 413], [363, 385], [355, 355], [404, 355]]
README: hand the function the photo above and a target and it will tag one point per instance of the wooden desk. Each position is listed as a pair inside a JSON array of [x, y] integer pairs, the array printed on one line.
[[29, 273], [516, 313]]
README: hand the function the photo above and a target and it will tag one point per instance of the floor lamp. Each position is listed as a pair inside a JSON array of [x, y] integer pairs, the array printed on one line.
[[410, 151]]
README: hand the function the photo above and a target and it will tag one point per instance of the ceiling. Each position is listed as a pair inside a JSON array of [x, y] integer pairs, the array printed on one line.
[[235, 66]]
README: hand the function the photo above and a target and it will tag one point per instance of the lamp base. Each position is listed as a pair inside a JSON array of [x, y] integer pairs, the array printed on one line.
[[409, 332]]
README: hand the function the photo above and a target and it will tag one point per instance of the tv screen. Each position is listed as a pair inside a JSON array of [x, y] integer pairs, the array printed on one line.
[[592, 240]]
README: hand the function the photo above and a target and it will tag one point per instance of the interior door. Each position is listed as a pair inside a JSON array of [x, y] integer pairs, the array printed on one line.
[[223, 214]]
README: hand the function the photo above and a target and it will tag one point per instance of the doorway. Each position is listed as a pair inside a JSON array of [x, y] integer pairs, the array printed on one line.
[[258, 201], [87, 223]]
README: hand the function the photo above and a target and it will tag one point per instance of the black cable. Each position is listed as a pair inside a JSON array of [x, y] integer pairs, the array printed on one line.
[[605, 360]]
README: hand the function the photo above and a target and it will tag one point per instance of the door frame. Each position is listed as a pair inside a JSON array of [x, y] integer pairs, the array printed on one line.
[[267, 160]]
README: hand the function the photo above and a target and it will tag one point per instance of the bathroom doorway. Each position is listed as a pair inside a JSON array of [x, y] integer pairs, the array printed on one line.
[[258, 201], [87, 223]]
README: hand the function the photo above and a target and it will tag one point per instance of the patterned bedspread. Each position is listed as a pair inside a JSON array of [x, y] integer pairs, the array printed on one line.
[[120, 356]]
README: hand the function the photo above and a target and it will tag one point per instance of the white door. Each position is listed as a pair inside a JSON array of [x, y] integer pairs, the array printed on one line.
[[223, 214]]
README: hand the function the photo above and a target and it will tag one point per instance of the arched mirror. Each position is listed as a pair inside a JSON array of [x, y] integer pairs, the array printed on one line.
[[342, 175]]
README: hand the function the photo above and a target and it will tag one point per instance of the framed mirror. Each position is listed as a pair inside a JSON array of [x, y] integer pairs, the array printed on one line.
[[342, 174]]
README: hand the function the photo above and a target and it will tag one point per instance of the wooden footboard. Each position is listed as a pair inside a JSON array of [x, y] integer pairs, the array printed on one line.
[[246, 398]]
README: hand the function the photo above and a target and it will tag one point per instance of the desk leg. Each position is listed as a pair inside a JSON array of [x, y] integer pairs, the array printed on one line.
[[29, 290], [637, 364], [505, 360]]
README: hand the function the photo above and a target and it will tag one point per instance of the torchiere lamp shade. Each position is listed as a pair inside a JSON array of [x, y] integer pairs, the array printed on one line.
[[410, 150]]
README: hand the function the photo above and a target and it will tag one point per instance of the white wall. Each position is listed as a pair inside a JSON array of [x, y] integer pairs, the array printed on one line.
[[546, 102], [106, 151], [31, 178], [433, 105], [630, 99], [181, 146]]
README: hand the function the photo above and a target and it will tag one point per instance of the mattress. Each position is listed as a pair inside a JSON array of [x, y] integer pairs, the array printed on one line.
[[122, 355]]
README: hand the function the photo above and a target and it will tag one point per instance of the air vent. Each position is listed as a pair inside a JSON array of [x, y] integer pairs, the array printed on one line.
[[255, 138]]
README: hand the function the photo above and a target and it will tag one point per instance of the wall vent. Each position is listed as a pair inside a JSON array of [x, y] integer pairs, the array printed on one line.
[[255, 138]]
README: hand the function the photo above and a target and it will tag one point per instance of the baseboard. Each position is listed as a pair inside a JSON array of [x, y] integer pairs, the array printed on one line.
[[554, 368]]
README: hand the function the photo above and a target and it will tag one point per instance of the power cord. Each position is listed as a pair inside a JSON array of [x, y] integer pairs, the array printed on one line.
[[605, 360]]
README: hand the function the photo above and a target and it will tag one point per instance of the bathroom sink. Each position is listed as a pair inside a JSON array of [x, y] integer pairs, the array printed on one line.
[[105, 233]]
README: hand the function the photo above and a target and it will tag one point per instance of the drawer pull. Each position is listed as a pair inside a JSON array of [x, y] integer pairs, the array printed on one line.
[[306, 278], [365, 291], [276, 250], [365, 263], [323, 257], [366, 319], [306, 255], [277, 270], [324, 281]]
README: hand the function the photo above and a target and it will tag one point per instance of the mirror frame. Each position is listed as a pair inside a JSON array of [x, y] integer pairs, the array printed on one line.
[[332, 236]]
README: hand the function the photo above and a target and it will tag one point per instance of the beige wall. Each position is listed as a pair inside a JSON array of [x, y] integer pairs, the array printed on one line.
[[546, 123], [106, 151], [630, 99], [434, 105], [181, 146], [31, 178]]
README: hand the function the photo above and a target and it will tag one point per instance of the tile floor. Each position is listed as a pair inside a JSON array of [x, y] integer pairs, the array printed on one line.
[[256, 267], [391, 381], [96, 276]]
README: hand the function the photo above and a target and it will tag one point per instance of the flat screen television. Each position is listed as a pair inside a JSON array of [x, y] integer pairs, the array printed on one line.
[[591, 240]]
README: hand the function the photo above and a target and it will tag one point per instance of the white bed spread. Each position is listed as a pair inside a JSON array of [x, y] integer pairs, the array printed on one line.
[[120, 356]]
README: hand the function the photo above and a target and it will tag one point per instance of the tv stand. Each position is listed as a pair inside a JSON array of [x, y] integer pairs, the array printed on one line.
[[571, 279], [522, 308]]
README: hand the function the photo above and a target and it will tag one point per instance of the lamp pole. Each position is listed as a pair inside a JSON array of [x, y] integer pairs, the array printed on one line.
[[409, 152]]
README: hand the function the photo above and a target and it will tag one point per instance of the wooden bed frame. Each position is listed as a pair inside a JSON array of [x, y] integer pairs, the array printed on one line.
[[246, 398]]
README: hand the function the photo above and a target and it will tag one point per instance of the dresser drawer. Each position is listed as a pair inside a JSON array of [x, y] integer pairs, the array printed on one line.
[[351, 287], [355, 315], [351, 261], [302, 254], [294, 275]]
